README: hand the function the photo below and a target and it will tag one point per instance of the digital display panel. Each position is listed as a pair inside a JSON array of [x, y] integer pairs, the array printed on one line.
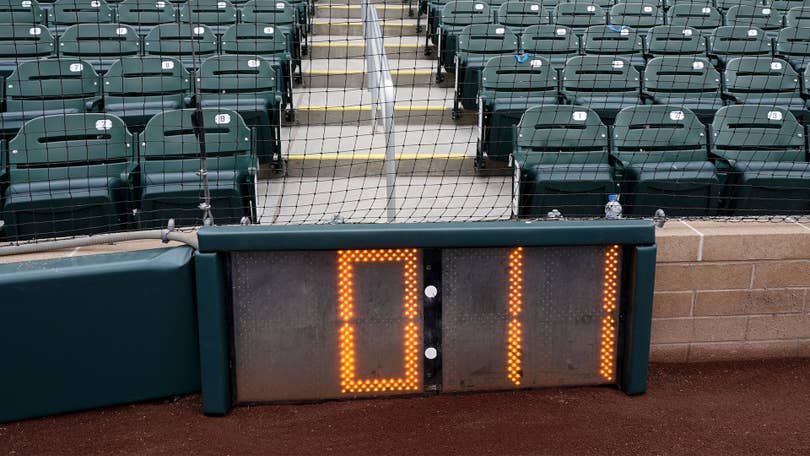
[[329, 324]]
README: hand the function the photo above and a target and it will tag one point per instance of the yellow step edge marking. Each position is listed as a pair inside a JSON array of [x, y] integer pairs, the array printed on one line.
[[368, 108], [355, 156], [334, 44], [398, 22], [347, 72], [394, 7]]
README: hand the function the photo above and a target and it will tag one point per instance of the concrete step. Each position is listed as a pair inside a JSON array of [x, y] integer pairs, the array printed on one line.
[[334, 47], [394, 11], [351, 73], [362, 199], [354, 27]]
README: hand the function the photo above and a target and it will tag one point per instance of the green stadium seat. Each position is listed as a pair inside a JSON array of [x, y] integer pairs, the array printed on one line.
[[518, 15], [728, 4], [661, 155], [783, 6], [250, 86], [433, 10], [763, 150], [455, 16], [65, 13], [798, 17], [143, 15], [763, 17], [99, 44], [137, 88], [282, 17], [475, 45], [763, 80], [553, 42], [561, 162], [605, 84], [21, 12], [728, 42], [608, 40], [578, 16], [23, 42], [48, 87], [509, 86], [640, 16], [172, 40], [675, 40], [268, 42], [216, 14], [691, 82], [700, 16], [69, 175], [171, 185], [601, 3], [793, 45]]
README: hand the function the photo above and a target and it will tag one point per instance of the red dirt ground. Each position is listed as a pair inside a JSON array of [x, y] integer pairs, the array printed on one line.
[[712, 409]]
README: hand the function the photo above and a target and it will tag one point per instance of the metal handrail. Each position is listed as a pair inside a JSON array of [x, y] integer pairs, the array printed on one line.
[[381, 86]]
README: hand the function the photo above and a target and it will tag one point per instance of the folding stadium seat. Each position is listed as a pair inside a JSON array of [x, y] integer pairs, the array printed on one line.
[[475, 45], [605, 84], [691, 82], [561, 162], [553, 42], [143, 15], [661, 153], [137, 88], [48, 87], [763, 150], [793, 45], [578, 16], [763, 80], [672, 40], [282, 17], [216, 14], [249, 86], [728, 42], [65, 13], [798, 17], [171, 185], [607, 40], [267, 42], [640, 16], [455, 16], [509, 86], [433, 9], [69, 174], [763, 17], [99, 44], [21, 43], [701, 16], [21, 12], [173, 40], [601, 3], [519, 15], [783, 6], [728, 4]]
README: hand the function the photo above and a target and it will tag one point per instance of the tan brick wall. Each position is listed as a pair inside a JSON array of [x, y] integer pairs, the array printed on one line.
[[729, 290]]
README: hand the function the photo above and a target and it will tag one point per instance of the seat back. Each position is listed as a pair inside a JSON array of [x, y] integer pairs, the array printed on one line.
[[701, 16], [208, 12], [578, 15], [798, 17], [757, 133], [520, 14], [274, 13], [783, 6], [254, 39], [686, 76], [146, 12], [794, 42], [546, 40], [747, 76], [600, 74], [739, 41], [763, 17], [142, 77], [505, 76], [666, 40], [459, 14], [235, 74], [22, 41], [69, 12], [640, 16], [51, 84], [728, 4], [70, 146], [659, 133], [99, 40], [174, 40], [561, 134], [20, 12], [608, 40], [486, 39]]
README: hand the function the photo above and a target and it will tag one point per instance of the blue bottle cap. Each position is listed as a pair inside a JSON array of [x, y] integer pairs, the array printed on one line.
[[613, 197]]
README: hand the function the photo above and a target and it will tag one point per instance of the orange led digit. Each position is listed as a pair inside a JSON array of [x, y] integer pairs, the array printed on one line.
[[514, 344], [348, 376], [607, 350]]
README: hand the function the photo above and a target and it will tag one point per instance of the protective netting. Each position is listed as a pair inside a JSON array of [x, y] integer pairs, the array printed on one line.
[[122, 116]]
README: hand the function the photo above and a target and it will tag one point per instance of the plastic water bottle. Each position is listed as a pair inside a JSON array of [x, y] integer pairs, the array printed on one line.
[[613, 210]]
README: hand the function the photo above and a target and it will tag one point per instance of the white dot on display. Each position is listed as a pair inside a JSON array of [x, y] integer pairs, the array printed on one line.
[[431, 353], [431, 291]]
